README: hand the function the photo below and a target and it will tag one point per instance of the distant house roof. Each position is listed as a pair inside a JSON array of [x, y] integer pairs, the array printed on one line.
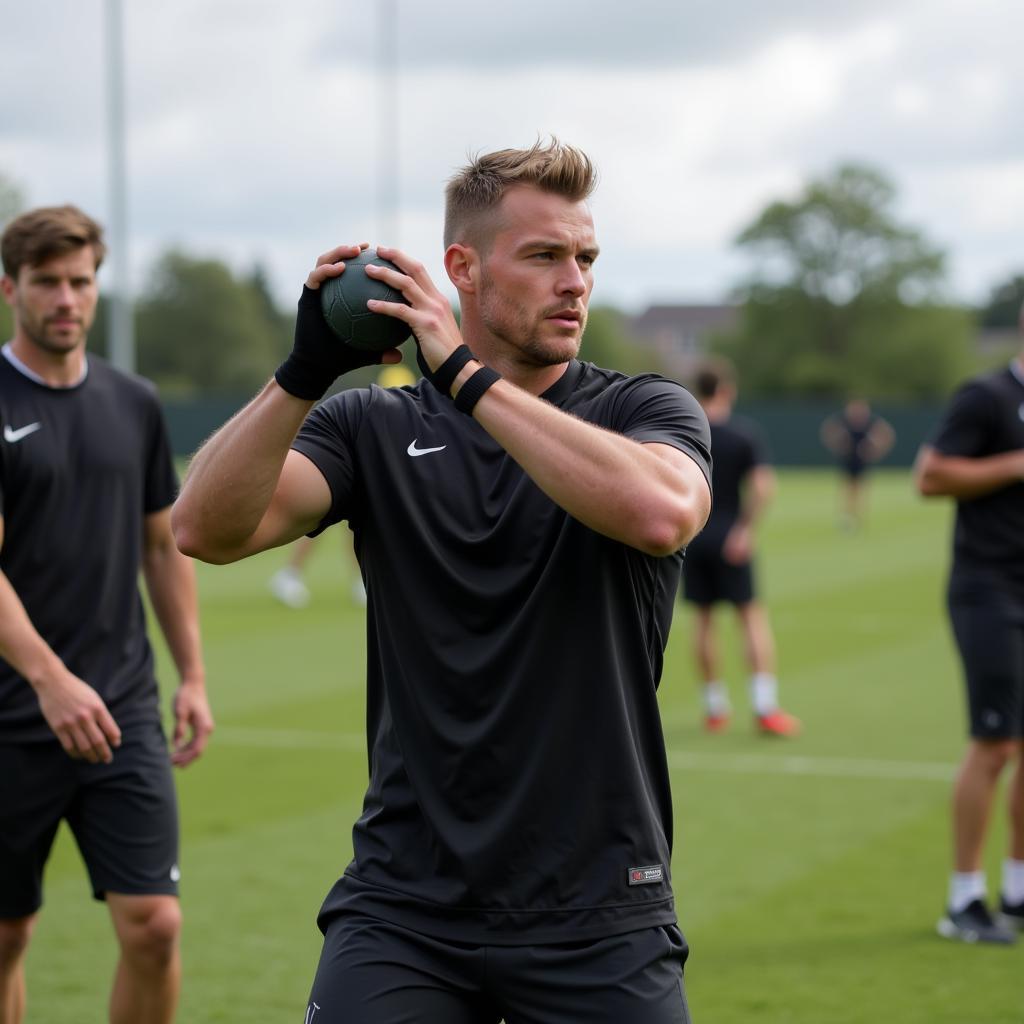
[[684, 320], [680, 333]]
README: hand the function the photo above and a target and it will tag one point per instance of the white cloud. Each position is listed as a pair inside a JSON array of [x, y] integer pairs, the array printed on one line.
[[254, 126]]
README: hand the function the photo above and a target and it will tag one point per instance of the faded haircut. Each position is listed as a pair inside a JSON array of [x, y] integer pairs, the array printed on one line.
[[478, 187], [711, 376], [46, 232]]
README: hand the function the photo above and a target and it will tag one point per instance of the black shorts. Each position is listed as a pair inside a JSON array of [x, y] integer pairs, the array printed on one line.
[[988, 624], [375, 972], [123, 815], [708, 578], [854, 467]]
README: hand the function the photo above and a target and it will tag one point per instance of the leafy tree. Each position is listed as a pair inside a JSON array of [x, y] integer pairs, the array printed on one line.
[[1004, 305], [843, 298], [202, 329]]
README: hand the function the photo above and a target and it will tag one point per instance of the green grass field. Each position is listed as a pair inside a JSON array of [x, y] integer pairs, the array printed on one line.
[[809, 874]]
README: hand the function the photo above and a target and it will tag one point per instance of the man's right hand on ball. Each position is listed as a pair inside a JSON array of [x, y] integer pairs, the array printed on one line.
[[318, 358]]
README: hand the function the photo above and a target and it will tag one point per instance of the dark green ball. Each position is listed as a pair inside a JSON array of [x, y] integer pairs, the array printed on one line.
[[343, 299]]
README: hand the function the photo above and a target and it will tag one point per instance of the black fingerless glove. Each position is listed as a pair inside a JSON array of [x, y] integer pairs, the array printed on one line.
[[318, 357]]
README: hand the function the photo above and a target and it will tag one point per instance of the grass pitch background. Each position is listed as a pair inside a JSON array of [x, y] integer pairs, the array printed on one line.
[[809, 874]]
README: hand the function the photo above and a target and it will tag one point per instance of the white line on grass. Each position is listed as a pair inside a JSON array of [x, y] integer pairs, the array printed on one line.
[[679, 760], [829, 767]]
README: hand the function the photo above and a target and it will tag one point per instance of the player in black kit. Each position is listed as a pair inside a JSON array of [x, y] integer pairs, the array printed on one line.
[[719, 564], [977, 457], [86, 484], [521, 549], [858, 438]]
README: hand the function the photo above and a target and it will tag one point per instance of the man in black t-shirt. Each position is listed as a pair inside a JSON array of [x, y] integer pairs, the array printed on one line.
[[858, 438], [977, 457], [518, 516], [86, 484], [719, 561]]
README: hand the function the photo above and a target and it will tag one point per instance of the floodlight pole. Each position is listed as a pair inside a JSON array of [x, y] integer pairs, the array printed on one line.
[[121, 333], [387, 122]]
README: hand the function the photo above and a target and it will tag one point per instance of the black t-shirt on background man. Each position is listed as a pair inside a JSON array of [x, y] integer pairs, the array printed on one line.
[[80, 468], [519, 787], [986, 417], [738, 448]]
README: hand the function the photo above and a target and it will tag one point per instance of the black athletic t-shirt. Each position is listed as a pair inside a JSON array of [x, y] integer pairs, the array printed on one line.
[[80, 467], [737, 447], [986, 417], [518, 787]]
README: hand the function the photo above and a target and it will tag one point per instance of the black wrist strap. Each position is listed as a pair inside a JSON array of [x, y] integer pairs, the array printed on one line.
[[303, 379], [472, 391], [444, 376]]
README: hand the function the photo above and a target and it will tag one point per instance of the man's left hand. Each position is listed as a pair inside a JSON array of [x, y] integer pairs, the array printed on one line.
[[193, 723]]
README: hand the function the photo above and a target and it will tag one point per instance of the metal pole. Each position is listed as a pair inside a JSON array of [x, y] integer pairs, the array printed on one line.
[[387, 122], [121, 333]]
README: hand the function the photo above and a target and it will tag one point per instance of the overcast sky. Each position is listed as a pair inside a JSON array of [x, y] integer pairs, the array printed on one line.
[[253, 125]]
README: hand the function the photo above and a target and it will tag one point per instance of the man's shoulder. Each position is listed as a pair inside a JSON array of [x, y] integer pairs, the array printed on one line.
[[742, 427], [108, 375], [594, 381]]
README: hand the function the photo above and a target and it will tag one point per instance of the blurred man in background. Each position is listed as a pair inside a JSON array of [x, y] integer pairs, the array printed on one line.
[[86, 484], [977, 457], [719, 564], [858, 438]]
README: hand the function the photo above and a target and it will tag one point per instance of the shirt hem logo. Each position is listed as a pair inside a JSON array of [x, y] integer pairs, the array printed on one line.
[[648, 874]]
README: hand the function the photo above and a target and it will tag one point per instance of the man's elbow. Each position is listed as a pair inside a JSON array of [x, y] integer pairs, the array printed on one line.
[[928, 480], [928, 485], [665, 535], [191, 541]]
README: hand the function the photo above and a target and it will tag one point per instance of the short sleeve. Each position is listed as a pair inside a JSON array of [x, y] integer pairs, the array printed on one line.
[[652, 409], [966, 427], [328, 439], [161, 479]]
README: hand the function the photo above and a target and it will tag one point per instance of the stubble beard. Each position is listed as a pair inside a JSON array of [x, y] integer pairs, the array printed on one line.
[[40, 334], [511, 323]]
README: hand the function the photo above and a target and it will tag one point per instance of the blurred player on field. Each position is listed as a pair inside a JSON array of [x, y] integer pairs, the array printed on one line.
[[86, 485], [858, 438], [977, 457], [719, 561]]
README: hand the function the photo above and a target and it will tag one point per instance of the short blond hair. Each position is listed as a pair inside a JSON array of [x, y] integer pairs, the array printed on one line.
[[48, 231], [478, 187]]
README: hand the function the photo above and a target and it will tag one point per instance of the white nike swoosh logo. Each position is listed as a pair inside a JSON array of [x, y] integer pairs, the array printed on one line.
[[414, 451], [12, 435]]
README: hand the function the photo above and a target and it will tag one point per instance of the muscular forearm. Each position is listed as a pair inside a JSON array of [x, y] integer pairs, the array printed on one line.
[[757, 495], [171, 582], [616, 486], [21, 646], [232, 479], [938, 475]]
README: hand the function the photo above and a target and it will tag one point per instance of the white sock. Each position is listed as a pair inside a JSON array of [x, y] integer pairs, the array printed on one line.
[[965, 887], [716, 699], [1013, 881], [764, 693]]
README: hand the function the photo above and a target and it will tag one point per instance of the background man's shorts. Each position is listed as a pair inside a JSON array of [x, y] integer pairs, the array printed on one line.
[[988, 623], [375, 972], [708, 578], [123, 815]]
